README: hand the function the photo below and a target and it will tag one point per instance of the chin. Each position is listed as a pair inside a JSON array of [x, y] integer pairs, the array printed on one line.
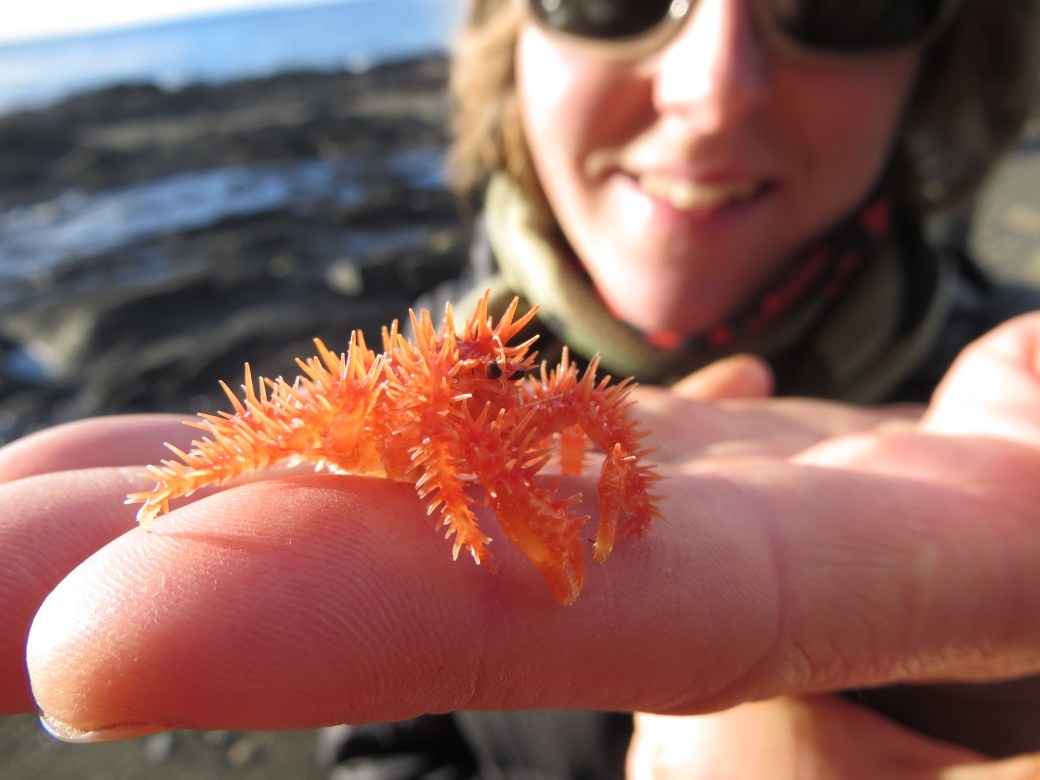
[[664, 313]]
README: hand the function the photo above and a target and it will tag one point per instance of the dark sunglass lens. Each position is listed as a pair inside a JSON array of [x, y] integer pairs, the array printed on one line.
[[854, 25], [601, 19]]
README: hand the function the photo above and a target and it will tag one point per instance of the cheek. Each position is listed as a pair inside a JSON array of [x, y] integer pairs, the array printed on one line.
[[545, 113], [570, 106], [847, 117]]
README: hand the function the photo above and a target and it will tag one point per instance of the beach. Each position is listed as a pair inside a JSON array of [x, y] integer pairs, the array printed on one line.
[[245, 220]]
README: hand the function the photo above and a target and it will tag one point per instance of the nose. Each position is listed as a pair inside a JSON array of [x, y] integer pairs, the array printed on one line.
[[714, 71]]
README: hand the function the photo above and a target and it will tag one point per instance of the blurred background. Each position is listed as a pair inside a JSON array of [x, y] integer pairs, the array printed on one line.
[[191, 191], [189, 184]]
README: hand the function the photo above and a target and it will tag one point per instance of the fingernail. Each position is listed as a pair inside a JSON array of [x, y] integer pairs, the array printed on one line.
[[67, 733]]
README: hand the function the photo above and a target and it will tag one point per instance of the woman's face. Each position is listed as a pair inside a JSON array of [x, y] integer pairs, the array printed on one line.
[[683, 180]]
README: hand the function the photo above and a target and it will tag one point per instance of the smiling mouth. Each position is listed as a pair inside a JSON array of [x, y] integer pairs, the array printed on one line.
[[687, 195]]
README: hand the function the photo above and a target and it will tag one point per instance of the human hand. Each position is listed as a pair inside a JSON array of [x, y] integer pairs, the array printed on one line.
[[81, 471], [991, 392], [722, 410], [61, 494], [816, 737], [293, 602]]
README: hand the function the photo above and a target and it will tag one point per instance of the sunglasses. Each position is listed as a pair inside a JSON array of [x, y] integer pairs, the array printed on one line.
[[629, 29]]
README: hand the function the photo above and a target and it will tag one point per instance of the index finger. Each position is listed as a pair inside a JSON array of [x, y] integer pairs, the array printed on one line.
[[300, 602], [308, 601]]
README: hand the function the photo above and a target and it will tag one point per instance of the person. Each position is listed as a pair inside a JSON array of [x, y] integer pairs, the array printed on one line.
[[678, 183], [732, 180], [674, 185]]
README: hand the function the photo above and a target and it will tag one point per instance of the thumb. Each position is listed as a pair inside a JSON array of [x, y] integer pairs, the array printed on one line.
[[1018, 768], [739, 376], [994, 387]]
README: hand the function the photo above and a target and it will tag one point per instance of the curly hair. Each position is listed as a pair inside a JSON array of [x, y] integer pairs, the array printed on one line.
[[976, 88]]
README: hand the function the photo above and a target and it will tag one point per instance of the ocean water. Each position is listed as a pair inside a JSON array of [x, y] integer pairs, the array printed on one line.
[[66, 231], [219, 48]]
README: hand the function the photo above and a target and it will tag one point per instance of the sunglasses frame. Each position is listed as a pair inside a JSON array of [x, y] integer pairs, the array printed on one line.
[[656, 38]]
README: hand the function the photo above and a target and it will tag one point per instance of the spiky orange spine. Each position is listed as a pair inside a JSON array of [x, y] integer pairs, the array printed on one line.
[[451, 410]]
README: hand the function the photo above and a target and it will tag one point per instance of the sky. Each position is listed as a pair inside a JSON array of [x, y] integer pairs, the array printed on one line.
[[20, 20]]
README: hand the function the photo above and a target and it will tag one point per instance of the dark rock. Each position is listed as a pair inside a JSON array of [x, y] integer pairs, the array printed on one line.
[[175, 235]]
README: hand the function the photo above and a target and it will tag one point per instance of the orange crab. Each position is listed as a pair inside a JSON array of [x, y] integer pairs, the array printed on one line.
[[448, 411]]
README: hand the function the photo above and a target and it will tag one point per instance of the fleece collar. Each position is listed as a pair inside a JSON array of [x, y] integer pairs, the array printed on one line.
[[848, 319]]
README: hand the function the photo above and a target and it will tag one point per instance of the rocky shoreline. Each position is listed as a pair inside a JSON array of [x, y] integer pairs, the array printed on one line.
[[156, 240]]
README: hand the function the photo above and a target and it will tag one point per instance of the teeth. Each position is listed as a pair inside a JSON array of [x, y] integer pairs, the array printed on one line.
[[687, 195]]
